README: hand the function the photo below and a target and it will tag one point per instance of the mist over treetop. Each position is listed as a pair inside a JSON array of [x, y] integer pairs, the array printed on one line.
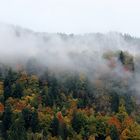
[[67, 86], [18, 45]]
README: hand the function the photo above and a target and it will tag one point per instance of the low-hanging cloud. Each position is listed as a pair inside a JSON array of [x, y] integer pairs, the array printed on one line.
[[61, 52]]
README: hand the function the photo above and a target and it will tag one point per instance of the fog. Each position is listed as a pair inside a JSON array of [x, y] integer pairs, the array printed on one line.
[[72, 53]]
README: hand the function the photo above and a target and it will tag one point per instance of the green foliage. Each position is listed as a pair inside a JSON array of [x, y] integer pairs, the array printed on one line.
[[17, 90], [17, 130], [122, 57], [114, 102], [27, 117], [101, 127], [79, 122], [34, 122], [122, 114], [31, 119], [54, 127], [6, 120], [30, 103], [114, 133]]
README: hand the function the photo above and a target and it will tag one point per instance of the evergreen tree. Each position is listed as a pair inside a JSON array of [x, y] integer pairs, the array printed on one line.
[[34, 122], [114, 102], [114, 133], [122, 114], [6, 120], [27, 117], [17, 130], [54, 127], [17, 91], [122, 57], [79, 121]]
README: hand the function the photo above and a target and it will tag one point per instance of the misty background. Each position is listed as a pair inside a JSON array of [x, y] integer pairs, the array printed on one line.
[[73, 16], [69, 69], [70, 36], [61, 53]]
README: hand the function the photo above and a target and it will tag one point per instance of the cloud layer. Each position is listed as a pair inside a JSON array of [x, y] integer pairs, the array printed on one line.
[[61, 52]]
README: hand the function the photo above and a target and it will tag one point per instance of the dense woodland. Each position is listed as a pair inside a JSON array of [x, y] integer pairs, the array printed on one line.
[[69, 107]]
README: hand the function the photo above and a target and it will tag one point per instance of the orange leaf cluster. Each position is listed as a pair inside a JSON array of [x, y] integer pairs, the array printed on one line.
[[128, 121], [114, 121], [1, 108], [60, 116]]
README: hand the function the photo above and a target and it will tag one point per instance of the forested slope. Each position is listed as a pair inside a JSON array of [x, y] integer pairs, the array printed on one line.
[[69, 106], [69, 87]]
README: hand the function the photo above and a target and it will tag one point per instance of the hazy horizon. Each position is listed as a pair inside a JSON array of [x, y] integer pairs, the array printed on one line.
[[73, 16]]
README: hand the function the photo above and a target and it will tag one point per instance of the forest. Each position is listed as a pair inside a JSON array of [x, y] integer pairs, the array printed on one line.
[[69, 69], [69, 105]]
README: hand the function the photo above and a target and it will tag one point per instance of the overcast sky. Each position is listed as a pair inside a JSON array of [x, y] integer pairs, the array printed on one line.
[[73, 16]]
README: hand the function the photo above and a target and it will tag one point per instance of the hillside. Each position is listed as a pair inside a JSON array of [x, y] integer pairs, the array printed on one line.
[[69, 87]]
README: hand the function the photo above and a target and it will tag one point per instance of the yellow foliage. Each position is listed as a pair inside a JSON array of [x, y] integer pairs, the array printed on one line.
[[91, 138], [67, 120], [108, 138], [1, 88], [10, 101], [132, 132], [52, 138], [16, 111], [23, 78], [78, 137], [34, 77], [73, 103]]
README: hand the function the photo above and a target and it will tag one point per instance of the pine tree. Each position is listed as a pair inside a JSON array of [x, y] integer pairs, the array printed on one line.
[[34, 122], [122, 57], [54, 127], [122, 114], [6, 120], [79, 122], [17, 130]]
